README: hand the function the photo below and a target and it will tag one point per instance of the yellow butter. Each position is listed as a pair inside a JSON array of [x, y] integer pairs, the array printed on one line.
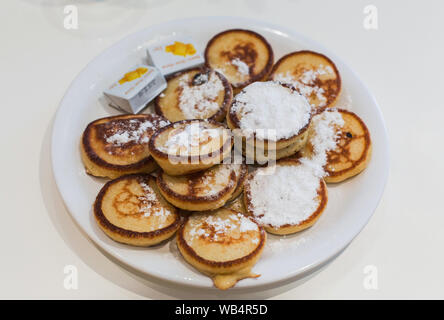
[[133, 75], [181, 49], [173, 54]]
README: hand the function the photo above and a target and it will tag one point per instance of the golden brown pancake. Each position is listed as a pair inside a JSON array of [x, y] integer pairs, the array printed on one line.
[[131, 210], [189, 146], [243, 56], [313, 74], [273, 207], [118, 145], [198, 93], [353, 151], [205, 190], [223, 244]]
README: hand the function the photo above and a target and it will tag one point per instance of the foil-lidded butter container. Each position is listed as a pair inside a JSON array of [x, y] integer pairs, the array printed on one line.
[[132, 92], [174, 54]]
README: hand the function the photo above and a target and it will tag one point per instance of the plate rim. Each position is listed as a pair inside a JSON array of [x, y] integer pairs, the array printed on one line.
[[272, 27]]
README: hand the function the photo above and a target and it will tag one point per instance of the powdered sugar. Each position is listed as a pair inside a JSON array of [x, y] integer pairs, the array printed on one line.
[[151, 206], [218, 178], [241, 66], [306, 84], [220, 226], [323, 138], [246, 224], [122, 138], [196, 232], [135, 131], [269, 105], [283, 243], [288, 196], [199, 101], [190, 137], [344, 101]]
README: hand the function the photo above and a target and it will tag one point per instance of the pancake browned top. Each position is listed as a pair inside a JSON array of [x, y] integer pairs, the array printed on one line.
[[313, 74], [221, 238], [198, 93], [243, 56], [352, 150], [132, 206], [121, 142]]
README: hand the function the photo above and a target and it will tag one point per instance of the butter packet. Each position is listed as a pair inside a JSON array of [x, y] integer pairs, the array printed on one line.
[[174, 54], [132, 92]]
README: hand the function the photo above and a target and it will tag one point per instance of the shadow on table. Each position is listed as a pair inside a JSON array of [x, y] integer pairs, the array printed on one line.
[[123, 275]]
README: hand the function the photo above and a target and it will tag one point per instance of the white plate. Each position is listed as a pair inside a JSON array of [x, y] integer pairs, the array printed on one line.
[[350, 206]]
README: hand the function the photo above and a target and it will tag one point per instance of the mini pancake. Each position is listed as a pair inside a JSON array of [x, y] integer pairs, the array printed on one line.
[[285, 199], [243, 56], [198, 93], [313, 74], [189, 146], [353, 150], [131, 210], [118, 145], [263, 108], [223, 244], [205, 190]]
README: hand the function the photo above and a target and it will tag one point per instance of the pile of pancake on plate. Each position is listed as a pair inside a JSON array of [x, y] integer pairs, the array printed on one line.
[[235, 149]]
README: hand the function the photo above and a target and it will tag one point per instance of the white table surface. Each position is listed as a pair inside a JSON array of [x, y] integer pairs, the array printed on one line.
[[401, 62]]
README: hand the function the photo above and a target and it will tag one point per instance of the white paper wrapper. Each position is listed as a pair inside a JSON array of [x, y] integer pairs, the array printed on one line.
[[132, 95], [174, 54]]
